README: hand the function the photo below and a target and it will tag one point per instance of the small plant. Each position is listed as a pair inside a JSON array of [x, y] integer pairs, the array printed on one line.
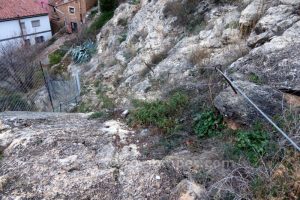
[[281, 183], [232, 25], [253, 143], [170, 142], [199, 56], [162, 114], [83, 108], [106, 101], [202, 177], [58, 69], [100, 22], [56, 56], [83, 53], [208, 124], [122, 38], [255, 78]]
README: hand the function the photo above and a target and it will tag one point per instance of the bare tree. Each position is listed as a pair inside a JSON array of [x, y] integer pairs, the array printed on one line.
[[17, 66]]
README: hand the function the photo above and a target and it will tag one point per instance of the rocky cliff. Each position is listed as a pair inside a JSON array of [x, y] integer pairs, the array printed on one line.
[[154, 47], [147, 51], [67, 156]]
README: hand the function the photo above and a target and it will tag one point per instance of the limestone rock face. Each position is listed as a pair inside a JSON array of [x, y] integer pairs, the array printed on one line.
[[235, 107], [250, 15], [149, 49], [275, 63], [67, 156], [275, 21]]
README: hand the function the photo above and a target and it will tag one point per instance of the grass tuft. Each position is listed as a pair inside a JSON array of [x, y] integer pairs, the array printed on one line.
[[208, 124], [100, 22], [161, 114], [56, 57]]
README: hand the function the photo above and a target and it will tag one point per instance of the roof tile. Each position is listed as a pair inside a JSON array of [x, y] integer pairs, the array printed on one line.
[[10, 9]]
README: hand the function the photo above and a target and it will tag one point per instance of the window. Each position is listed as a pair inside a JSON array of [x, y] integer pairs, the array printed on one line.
[[71, 10], [39, 39], [35, 23]]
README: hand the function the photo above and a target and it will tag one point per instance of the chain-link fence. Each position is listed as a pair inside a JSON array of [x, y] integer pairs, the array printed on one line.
[[64, 94], [25, 84]]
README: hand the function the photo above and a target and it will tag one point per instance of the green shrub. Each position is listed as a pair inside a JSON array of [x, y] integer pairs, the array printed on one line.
[[253, 143], [108, 5], [208, 124], [255, 79], [162, 114], [56, 56], [100, 22]]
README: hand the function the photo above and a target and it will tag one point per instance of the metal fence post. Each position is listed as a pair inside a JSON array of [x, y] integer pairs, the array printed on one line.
[[77, 83], [47, 87]]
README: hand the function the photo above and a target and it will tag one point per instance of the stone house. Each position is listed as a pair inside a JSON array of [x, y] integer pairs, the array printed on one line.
[[69, 13]]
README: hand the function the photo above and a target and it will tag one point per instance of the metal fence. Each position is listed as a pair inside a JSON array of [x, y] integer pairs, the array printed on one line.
[[31, 88], [64, 94]]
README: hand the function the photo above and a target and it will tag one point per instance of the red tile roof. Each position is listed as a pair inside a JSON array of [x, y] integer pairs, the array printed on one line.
[[10, 9]]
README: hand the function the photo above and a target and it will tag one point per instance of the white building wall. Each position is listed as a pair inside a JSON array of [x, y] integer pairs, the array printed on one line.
[[10, 29]]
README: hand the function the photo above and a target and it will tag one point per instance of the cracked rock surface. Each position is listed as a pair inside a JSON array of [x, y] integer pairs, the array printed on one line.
[[67, 156]]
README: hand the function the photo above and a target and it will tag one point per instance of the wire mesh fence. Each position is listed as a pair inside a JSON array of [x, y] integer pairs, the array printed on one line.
[[25, 85], [64, 94]]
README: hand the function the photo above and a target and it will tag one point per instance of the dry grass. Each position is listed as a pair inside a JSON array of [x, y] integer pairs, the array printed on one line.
[[277, 176], [290, 122], [200, 56], [271, 180], [181, 10]]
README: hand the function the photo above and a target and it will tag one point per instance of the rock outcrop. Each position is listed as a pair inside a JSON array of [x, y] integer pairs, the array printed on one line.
[[150, 49], [146, 51], [67, 156], [234, 106]]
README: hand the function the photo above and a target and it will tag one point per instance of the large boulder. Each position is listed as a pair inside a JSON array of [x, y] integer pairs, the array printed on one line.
[[276, 63], [275, 21], [236, 107]]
